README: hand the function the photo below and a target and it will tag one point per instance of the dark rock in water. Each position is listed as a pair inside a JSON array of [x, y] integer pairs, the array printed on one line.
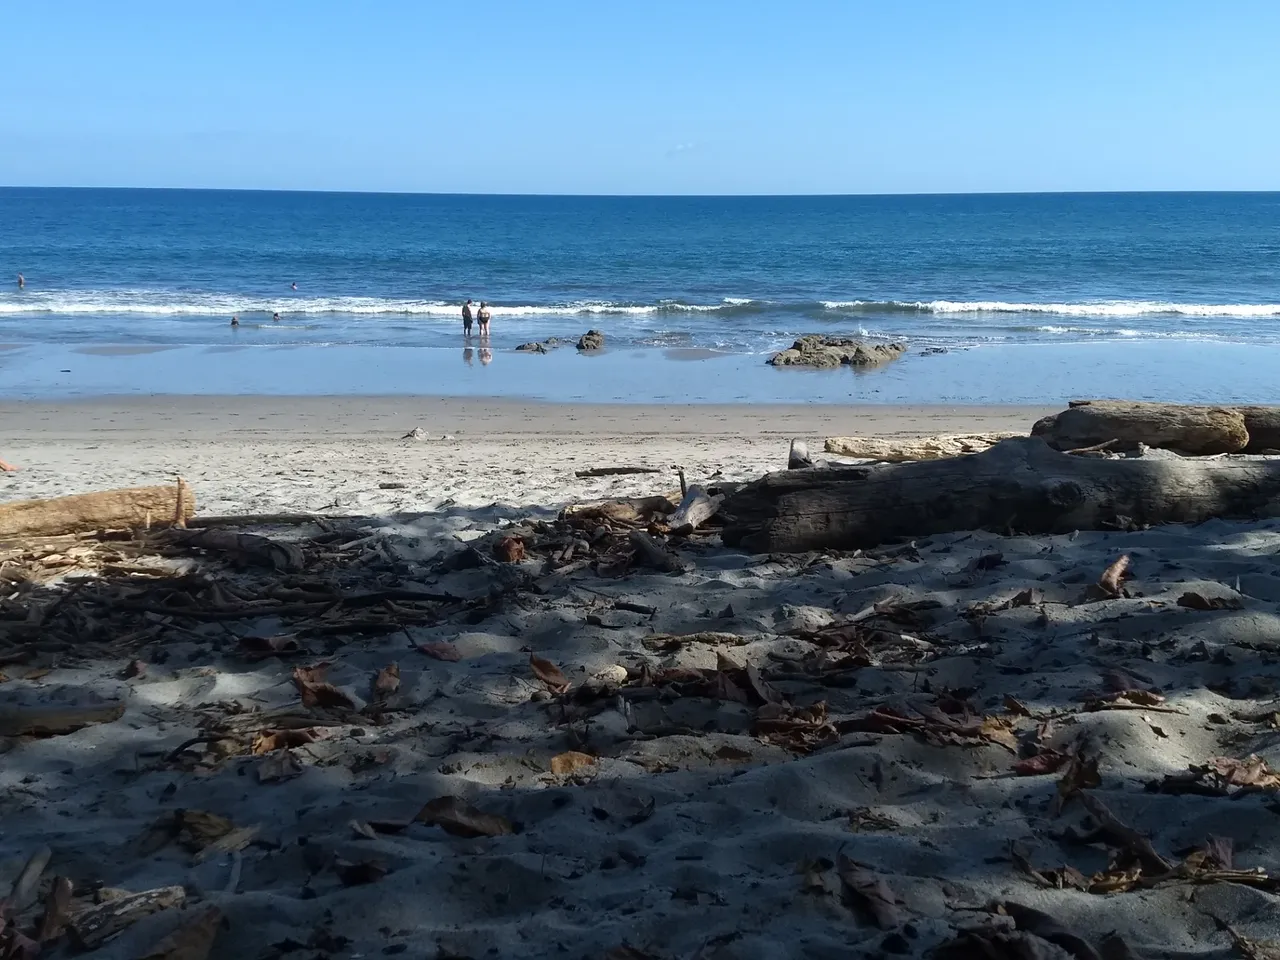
[[591, 340], [553, 341], [531, 348], [932, 351], [819, 351]]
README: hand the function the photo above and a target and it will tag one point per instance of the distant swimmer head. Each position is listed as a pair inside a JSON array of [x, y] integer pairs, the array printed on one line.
[[468, 298], [235, 321], [275, 317], [294, 285]]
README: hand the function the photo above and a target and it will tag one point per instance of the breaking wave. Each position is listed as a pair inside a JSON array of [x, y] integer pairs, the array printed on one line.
[[1103, 308]]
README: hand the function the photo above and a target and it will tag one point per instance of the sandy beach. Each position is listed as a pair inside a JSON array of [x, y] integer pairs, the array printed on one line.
[[681, 800]]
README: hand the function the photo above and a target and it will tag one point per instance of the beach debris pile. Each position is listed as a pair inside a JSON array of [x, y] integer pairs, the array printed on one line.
[[543, 713]]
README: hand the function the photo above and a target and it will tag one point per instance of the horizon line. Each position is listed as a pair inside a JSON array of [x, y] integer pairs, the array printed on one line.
[[642, 196]]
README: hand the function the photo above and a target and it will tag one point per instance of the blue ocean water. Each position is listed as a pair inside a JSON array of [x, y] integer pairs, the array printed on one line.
[[743, 275]]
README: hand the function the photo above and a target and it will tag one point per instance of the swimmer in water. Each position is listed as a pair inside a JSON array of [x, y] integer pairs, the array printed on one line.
[[22, 281], [294, 285], [235, 321], [275, 317]]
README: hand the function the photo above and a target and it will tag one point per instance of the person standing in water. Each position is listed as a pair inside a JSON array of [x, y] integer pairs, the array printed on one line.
[[235, 321], [294, 285], [22, 281], [275, 317], [483, 316], [466, 318]]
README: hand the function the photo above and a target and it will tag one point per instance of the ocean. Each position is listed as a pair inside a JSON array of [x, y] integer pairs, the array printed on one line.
[[117, 273]]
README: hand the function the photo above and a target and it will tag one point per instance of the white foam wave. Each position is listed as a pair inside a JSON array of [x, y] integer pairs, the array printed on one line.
[[1104, 308], [161, 303]]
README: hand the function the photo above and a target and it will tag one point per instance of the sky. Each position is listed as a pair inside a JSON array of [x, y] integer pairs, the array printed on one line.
[[654, 97]]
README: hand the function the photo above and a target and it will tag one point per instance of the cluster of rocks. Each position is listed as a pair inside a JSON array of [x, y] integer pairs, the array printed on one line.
[[816, 350], [591, 340]]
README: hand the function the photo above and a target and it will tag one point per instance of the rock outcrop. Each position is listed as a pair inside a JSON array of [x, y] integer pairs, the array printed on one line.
[[532, 348], [821, 351], [591, 340]]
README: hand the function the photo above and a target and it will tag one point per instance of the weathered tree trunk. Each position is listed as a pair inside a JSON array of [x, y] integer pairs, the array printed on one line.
[[1263, 424], [913, 448], [695, 509], [1195, 431], [1021, 485], [107, 510]]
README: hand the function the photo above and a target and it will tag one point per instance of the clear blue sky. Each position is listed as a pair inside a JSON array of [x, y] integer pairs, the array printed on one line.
[[695, 96]]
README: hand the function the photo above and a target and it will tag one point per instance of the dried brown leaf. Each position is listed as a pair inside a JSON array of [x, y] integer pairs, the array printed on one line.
[[1046, 761], [1081, 774], [1111, 577], [509, 550], [386, 682], [868, 890], [438, 650], [458, 817], [548, 673], [191, 941], [1252, 771], [1000, 731], [268, 741], [571, 762]]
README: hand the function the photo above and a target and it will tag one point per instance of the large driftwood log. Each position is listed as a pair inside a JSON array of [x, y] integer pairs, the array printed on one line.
[[1263, 424], [1019, 484], [106, 510], [910, 449], [1195, 431]]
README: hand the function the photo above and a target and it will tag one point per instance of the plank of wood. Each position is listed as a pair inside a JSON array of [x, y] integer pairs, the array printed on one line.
[[903, 450], [106, 510], [100, 923], [1019, 484]]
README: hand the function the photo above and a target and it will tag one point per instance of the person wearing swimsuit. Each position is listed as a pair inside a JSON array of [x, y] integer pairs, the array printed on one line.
[[483, 316], [466, 319]]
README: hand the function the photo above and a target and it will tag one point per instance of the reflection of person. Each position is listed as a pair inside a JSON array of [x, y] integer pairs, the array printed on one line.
[[483, 316], [466, 318], [467, 355], [486, 356]]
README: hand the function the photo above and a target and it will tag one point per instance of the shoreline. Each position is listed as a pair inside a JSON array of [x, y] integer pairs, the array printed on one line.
[[1029, 374], [158, 416]]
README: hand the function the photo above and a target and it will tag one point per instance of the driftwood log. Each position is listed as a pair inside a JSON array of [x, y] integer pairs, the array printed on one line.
[[249, 549], [1019, 485], [98, 924], [1191, 430], [107, 510], [909, 449], [695, 509]]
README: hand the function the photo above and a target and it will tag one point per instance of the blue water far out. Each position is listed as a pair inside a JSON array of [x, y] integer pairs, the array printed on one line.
[[738, 275]]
